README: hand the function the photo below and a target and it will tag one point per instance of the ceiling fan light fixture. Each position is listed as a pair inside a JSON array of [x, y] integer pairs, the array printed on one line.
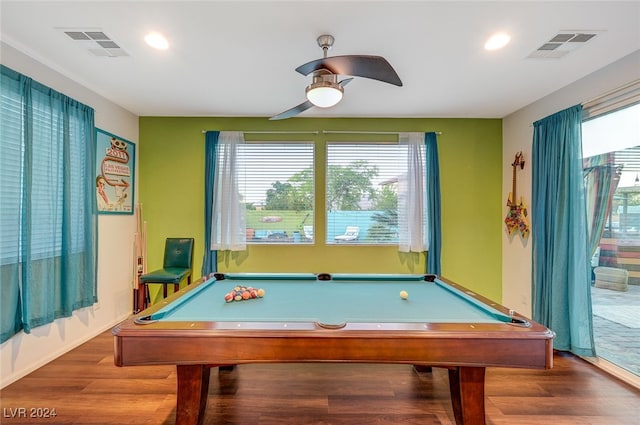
[[324, 94]]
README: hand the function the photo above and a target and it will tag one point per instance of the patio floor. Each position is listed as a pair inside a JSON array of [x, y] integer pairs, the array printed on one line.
[[616, 326]]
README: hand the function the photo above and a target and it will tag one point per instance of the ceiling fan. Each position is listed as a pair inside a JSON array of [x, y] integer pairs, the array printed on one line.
[[325, 90]]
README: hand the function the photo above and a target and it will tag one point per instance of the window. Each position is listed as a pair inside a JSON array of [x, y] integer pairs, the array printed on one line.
[[612, 156], [375, 193], [362, 192], [47, 213], [611, 150], [10, 174], [45, 162], [276, 184]]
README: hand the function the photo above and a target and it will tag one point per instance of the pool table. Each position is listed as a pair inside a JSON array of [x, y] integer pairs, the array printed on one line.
[[360, 318]]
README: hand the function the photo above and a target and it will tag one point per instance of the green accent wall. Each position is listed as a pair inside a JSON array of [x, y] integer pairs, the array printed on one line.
[[171, 187]]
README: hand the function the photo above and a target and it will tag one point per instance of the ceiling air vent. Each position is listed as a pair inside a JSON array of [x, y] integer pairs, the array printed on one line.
[[561, 44], [96, 42]]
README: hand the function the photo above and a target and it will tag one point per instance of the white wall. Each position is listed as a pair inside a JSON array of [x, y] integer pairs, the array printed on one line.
[[517, 134], [26, 352]]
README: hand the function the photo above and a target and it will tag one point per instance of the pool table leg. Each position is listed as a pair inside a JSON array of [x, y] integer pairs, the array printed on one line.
[[467, 394], [193, 388]]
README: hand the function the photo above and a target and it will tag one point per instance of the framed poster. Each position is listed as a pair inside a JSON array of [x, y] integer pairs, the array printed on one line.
[[115, 172]]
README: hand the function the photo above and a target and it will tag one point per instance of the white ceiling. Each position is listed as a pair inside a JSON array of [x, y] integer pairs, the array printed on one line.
[[238, 58]]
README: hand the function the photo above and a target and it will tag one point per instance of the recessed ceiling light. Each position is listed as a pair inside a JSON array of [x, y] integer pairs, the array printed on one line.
[[497, 41], [157, 41]]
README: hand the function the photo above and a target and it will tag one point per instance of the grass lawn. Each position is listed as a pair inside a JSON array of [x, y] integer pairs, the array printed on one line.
[[288, 221]]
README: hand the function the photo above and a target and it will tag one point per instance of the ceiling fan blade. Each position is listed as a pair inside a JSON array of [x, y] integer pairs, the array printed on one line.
[[345, 81], [374, 67], [293, 111]]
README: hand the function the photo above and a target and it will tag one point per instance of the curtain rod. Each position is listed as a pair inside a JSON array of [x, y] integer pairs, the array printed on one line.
[[323, 132], [269, 132], [369, 132]]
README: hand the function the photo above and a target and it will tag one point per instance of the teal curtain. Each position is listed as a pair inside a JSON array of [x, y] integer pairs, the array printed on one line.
[[48, 216], [433, 204], [560, 248], [210, 258]]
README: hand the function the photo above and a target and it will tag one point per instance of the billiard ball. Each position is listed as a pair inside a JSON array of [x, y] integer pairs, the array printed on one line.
[[260, 293], [229, 297], [404, 295]]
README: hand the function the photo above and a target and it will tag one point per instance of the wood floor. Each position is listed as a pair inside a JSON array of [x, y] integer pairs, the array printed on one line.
[[84, 387]]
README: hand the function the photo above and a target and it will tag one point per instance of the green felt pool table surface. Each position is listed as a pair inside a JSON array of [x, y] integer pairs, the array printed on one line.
[[343, 299]]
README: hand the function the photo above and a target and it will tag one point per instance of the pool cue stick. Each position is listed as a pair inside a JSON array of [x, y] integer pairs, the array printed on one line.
[[139, 253]]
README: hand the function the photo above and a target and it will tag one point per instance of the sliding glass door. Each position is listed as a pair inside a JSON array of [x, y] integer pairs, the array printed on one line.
[[611, 151]]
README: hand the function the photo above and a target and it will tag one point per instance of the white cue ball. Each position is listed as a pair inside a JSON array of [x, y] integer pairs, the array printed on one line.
[[404, 295]]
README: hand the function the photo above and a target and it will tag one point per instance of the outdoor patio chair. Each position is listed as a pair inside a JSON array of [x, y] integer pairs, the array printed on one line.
[[350, 234]]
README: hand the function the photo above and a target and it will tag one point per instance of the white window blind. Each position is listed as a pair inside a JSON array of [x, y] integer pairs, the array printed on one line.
[[10, 172], [45, 162], [619, 98], [276, 184], [362, 192]]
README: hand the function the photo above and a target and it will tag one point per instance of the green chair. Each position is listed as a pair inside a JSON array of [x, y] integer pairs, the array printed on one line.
[[177, 265]]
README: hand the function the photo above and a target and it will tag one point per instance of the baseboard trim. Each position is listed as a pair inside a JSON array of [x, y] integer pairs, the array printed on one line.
[[5, 381]]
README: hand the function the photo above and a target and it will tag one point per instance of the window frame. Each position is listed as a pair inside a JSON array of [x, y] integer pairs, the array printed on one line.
[[276, 236]]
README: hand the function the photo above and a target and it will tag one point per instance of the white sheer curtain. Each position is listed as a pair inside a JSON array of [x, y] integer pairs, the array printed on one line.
[[412, 223], [228, 215]]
